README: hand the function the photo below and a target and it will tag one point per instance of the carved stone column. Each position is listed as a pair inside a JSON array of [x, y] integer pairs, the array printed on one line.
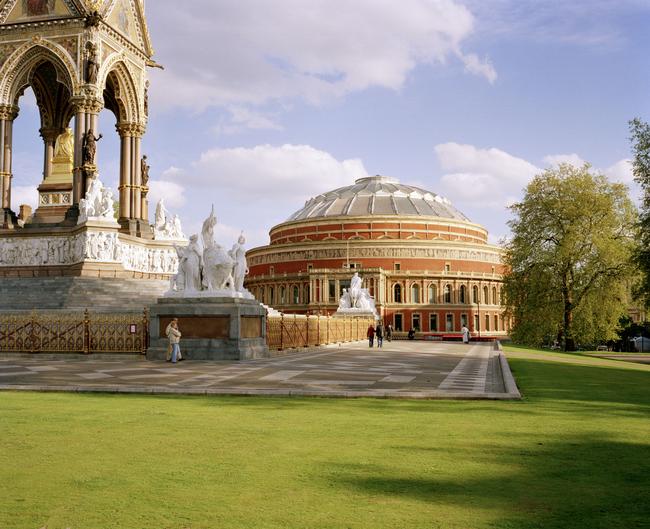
[[144, 208], [125, 130], [8, 114], [134, 211], [86, 117], [49, 139]]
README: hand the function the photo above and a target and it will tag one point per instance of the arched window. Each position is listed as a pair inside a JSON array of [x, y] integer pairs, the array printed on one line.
[[307, 295], [433, 294], [283, 295], [271, 296], [486, 296], [462, 298], [447, 293], [475, 294], [495, 299], [397, 293], [415, 293], [296, 295]]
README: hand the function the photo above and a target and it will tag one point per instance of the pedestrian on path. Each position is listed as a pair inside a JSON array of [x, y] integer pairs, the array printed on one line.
[[371, 335], [379, 332], [465, 332], [389, 332], [174, 336]]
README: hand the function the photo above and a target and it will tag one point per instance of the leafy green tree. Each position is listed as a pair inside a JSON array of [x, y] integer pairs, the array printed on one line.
[[641, 168], [569, 259]]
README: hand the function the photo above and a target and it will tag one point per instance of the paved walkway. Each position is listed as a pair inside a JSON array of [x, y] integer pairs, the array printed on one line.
[[400, 369]]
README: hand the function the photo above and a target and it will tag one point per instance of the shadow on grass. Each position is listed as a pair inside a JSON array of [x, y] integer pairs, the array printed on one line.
[[577, 483]]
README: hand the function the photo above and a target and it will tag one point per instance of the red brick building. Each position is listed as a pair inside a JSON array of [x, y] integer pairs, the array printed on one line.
[[426, 264]]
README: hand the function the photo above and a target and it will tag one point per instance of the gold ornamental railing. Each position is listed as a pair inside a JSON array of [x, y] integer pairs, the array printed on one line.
[[290, 331], [80, 332]]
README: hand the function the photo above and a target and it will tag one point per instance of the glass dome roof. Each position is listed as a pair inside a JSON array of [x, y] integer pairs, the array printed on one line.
[[378, 195]]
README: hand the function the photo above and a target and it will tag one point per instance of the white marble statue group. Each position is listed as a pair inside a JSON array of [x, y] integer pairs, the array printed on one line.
[[356, 299], [206, 269], [97, 205], [166, 227]]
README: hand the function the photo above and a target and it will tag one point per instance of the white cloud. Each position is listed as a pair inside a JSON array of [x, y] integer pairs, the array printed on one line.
[[554, 160], [494, 179], [578, 22], [172, 193], [220, 53], [242, 118], [482, 177], [283, 172], [477, 66], [24, 195], [621, 171]]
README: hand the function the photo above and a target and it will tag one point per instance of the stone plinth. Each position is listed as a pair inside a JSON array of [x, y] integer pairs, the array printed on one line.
[[213, 328], [355, 313]]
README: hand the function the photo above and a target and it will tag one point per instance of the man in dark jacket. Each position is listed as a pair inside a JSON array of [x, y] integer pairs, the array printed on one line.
[[371, 335], [379, 332]]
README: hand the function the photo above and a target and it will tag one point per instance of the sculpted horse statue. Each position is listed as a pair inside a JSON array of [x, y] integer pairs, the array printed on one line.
[[217, 264]]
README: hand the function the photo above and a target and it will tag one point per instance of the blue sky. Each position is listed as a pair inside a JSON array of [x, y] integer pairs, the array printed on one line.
[[264, 104]]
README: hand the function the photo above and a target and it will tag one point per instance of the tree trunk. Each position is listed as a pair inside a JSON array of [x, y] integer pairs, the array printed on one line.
[[569, 343]]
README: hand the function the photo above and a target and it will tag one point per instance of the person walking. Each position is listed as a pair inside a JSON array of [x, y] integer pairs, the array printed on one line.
[[371, 335], [389, 332], [379, 333], [465, 332], [174, 336]]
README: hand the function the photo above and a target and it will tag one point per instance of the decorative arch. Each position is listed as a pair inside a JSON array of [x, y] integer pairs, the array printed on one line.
[[433, 294], [415, 293], [17, 71], [397, 293], [447, 293], [462, 294], [116, 80]]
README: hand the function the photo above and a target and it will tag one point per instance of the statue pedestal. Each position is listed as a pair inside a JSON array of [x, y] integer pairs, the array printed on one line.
[[54, 200], [212, 328], [355, 313]]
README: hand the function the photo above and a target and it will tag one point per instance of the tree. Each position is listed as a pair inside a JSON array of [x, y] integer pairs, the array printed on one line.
[[569, 258], [641, 168]]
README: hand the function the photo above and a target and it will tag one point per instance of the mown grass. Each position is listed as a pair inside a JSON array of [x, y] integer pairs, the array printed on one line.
[[575, 453]]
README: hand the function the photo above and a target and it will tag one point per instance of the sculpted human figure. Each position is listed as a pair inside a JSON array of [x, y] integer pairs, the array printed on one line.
[[240, 269], [344, 301], [355, 289], [92, 66], [144, 170], [64, 146], [191, 263], [90, 147], [160, 216]]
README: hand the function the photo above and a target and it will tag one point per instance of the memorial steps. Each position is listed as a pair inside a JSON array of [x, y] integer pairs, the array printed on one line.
[[79, 293]]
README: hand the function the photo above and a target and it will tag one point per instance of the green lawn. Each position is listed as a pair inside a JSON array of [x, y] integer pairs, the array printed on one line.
[[575, 453]]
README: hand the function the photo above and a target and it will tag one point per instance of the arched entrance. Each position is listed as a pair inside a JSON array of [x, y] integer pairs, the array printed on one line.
[[69, 113], [52, 81]]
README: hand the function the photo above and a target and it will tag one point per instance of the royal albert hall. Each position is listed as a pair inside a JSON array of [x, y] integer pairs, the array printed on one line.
[[427, 265]]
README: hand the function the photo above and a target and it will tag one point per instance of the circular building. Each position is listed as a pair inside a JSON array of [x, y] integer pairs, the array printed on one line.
[[427, 265]]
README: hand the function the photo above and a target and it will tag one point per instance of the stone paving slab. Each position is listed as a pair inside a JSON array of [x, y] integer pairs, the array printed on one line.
[[398, 370]]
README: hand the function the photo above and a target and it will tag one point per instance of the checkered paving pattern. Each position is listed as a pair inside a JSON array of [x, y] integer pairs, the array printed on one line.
[[425, 369]]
